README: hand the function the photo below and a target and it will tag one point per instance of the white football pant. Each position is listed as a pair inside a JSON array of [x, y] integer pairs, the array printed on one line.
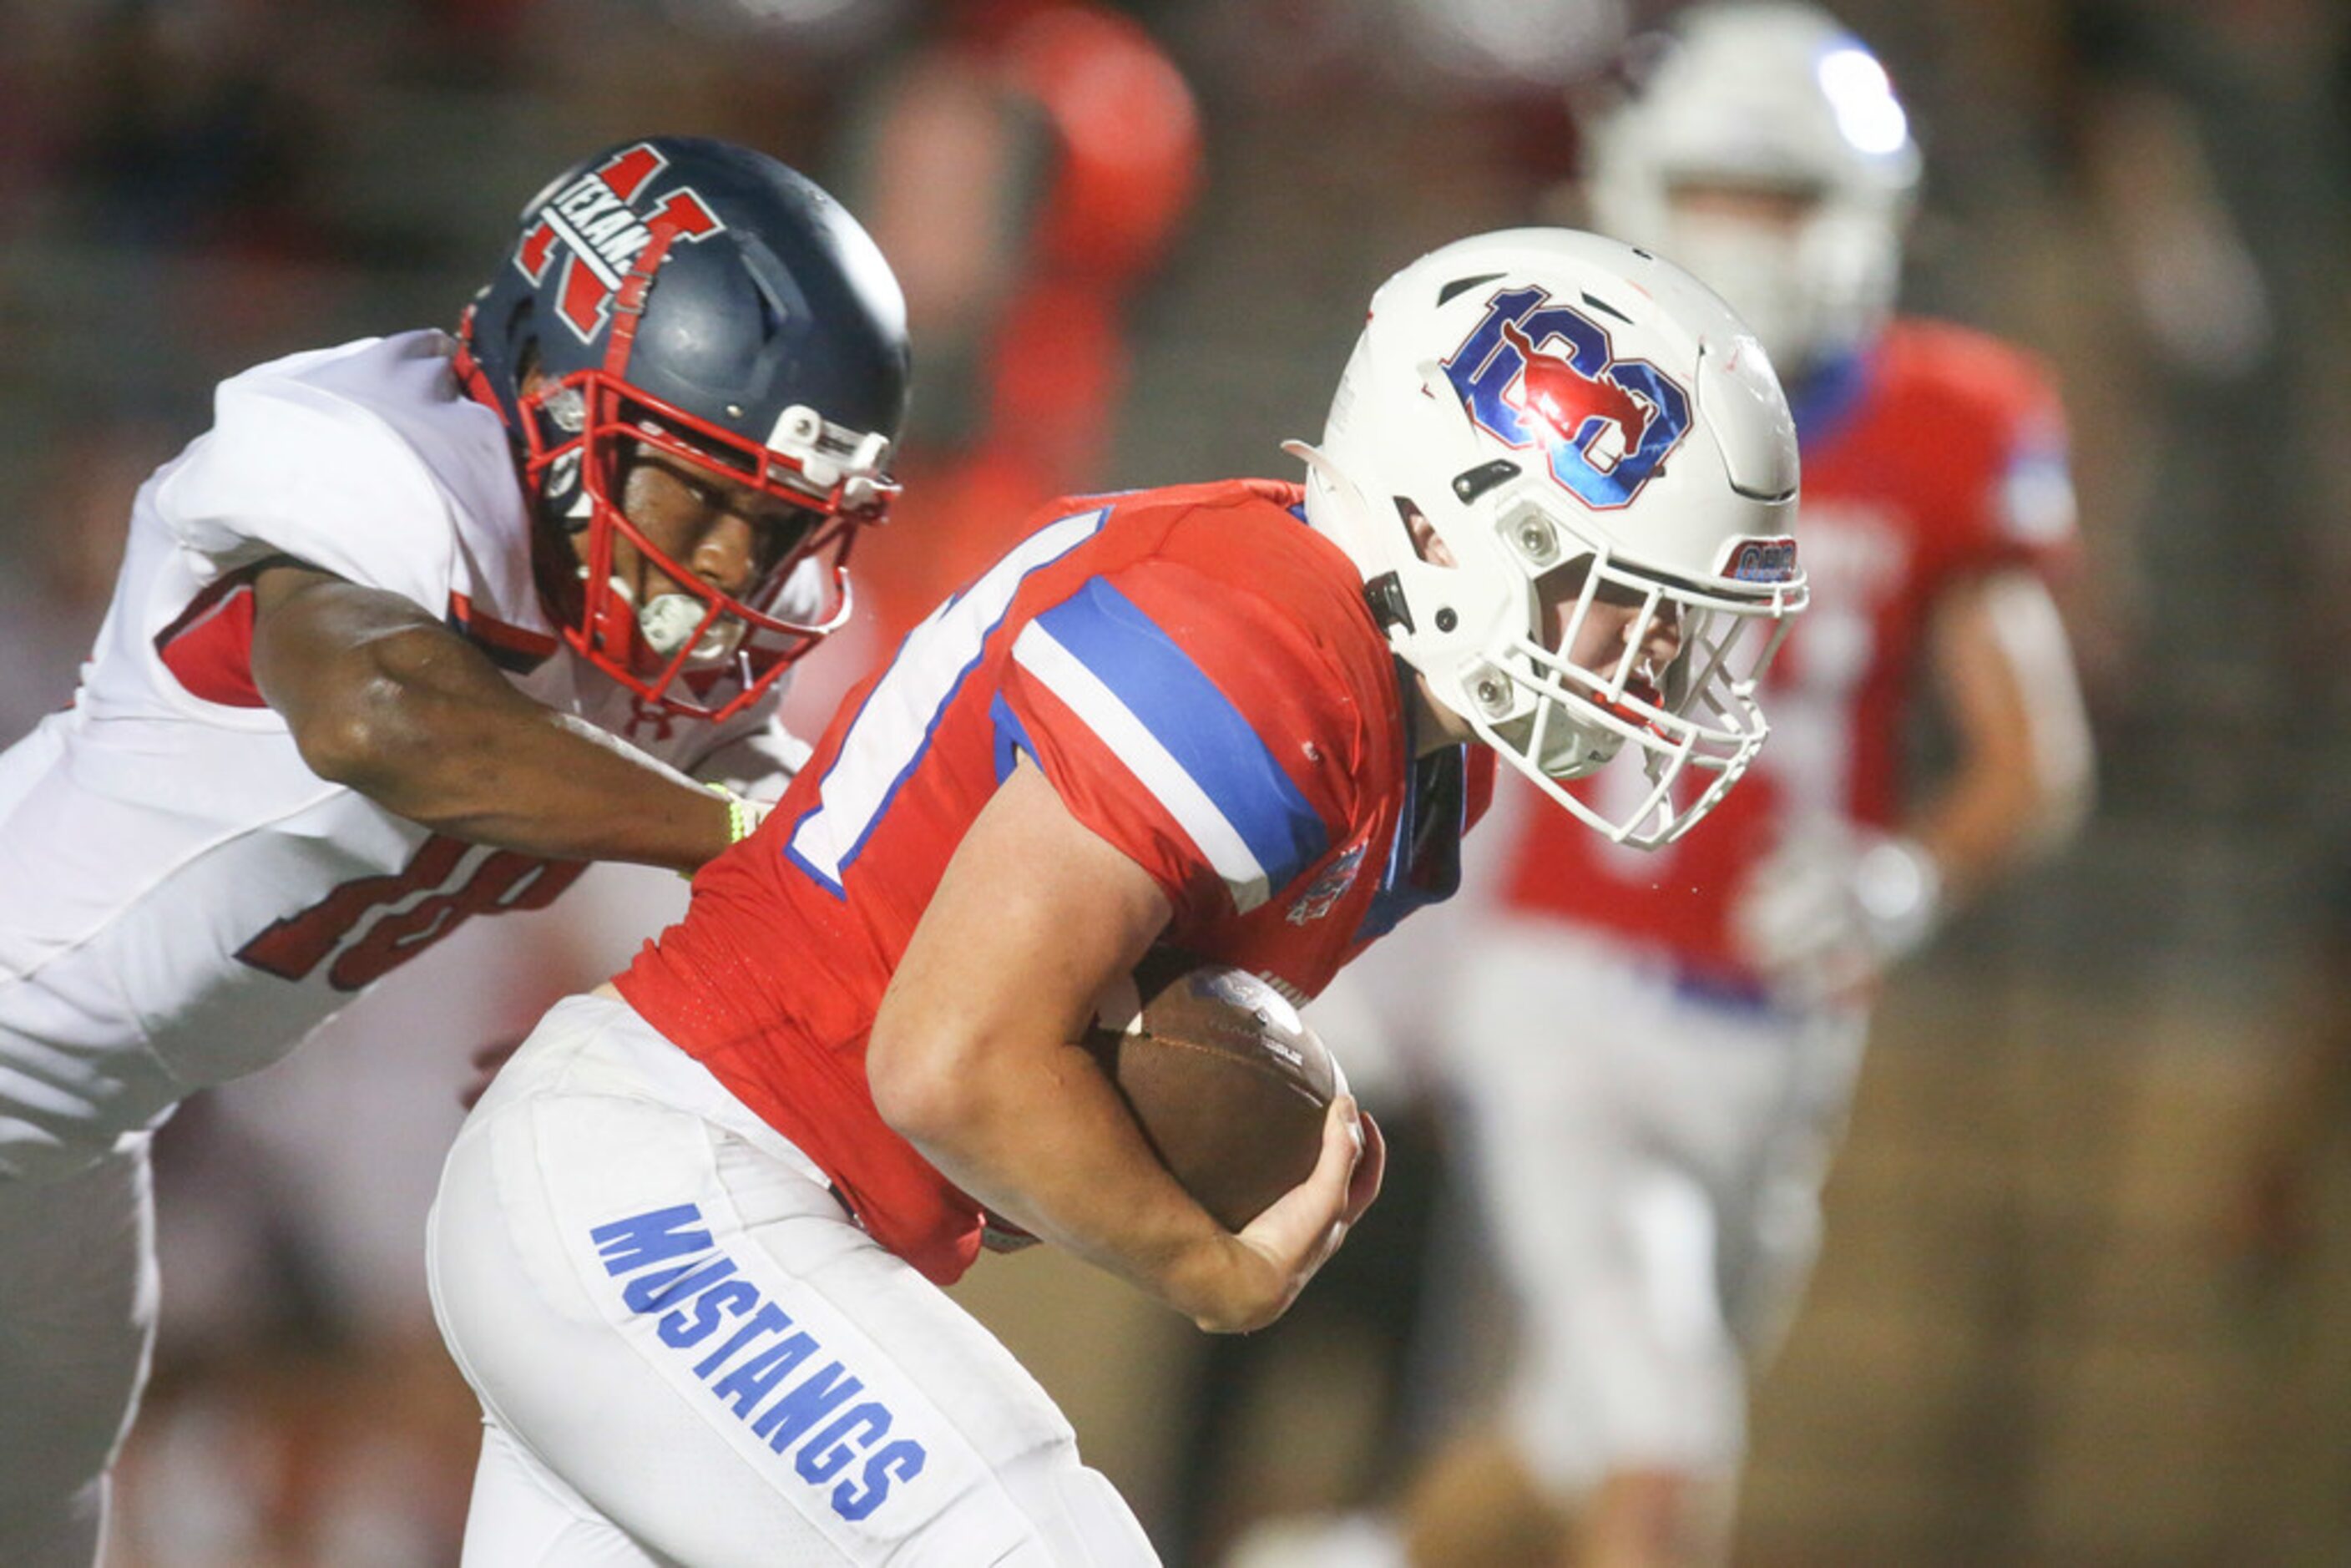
[[687, 1353], [77, 1326], [1649, 1155], [77, 1274]]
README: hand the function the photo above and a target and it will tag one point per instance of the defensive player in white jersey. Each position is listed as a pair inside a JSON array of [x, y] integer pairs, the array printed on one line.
[[420, 626], [1656, 1052]]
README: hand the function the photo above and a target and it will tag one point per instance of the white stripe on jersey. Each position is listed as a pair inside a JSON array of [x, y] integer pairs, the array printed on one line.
[[893, 729], [1132, 742]]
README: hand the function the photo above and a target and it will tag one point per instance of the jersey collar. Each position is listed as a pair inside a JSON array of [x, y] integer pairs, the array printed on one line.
[[1424, 863]]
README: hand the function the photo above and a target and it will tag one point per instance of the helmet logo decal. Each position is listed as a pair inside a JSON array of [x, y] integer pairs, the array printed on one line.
[[1605, 425], [1550, 391], [594, 221], [1760, 560]]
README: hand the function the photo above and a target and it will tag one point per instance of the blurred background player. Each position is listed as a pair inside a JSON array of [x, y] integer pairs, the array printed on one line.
[[1025, 171], [420, 626], [1026, 166], [1655, 1051], [681, 1248]]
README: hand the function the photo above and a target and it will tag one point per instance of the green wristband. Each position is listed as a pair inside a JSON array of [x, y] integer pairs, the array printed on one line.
[[742, 817]]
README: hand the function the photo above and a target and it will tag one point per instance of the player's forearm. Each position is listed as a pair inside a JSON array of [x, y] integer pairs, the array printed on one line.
[[560, 788], [428, 734], [2010, 803], [1978, 831], [380, 696], [2025, 773], [969, 1058], [1040, 1137]]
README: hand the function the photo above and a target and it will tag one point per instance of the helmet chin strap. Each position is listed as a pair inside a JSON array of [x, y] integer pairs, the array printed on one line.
[[1565, 747], [1574, 750]]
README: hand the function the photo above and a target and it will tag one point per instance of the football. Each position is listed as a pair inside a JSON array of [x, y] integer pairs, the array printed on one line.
[[1228, 1085]]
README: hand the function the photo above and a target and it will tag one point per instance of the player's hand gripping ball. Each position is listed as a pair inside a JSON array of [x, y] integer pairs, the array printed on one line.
[[1225, 1079]]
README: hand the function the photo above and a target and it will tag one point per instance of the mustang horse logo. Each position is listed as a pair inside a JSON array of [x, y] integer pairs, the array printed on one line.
[[1551, 391], [1605, 425]]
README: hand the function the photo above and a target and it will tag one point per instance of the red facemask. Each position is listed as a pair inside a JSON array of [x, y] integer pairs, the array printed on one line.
[[720, 652]]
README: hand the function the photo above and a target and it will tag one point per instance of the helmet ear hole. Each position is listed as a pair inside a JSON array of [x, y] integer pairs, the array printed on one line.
[[1427, 543]]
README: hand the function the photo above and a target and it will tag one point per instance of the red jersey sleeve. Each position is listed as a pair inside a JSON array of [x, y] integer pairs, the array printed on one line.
[[2023, 512], [1192, 724]]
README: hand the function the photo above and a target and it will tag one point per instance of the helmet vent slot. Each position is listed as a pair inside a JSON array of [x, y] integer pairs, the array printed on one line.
[[1602, 305], [1472, 483], [1462, 284], [770, 280]]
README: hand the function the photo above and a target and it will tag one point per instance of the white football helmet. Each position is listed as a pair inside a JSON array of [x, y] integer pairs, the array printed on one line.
[[1769, 96], [1580, 424]]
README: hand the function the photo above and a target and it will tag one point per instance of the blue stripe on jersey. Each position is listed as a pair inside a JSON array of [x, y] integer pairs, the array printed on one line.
[[1011, 738], [1188, 715]]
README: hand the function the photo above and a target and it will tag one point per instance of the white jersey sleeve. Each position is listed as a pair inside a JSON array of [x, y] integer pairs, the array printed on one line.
[[308, 457], [756, 764]]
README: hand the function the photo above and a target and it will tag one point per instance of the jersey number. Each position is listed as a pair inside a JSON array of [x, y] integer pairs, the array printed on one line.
[[894, 727], [372, 924]]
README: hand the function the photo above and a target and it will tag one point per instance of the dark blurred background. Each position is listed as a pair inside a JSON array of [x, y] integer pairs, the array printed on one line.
[[2086, 1297]]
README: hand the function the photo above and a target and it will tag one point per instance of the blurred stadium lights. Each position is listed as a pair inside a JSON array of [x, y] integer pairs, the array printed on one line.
[[1529, 42], [821, 27], [1862, 99]]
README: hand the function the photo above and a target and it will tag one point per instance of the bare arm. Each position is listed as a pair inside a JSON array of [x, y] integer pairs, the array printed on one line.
[[2024, 779], [972, 1059], [385, 699]]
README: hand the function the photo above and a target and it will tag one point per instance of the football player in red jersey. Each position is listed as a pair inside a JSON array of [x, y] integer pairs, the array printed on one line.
[[687, 1249], [1651, 1167]]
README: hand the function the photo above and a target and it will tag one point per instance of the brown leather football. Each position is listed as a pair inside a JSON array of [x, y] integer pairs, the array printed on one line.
[[1227, 1082]]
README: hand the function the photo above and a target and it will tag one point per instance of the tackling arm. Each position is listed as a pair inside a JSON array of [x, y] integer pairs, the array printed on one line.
[[972, 1059], [385, 699]]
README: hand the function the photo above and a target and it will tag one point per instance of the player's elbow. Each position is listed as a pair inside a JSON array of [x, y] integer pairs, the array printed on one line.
[[921, 1082], [358, 743], [2067, 789], [2057, 774], [389, 730]]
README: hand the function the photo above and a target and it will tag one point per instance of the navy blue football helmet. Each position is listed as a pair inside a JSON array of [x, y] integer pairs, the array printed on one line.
[[699, 298]]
